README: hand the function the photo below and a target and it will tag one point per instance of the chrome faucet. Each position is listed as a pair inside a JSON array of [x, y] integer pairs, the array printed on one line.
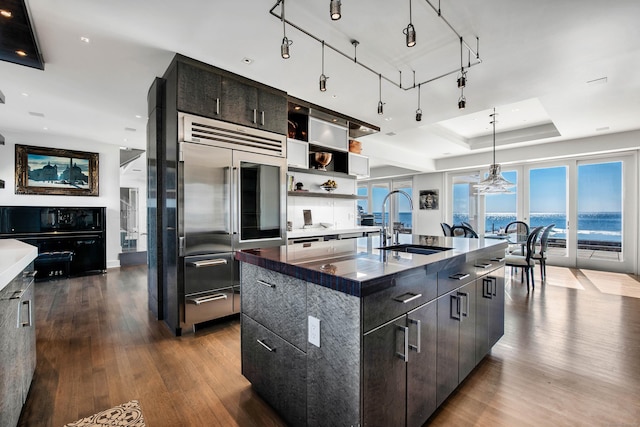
[[385, 235]]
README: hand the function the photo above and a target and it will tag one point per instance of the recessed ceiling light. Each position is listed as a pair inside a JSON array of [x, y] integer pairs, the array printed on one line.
[[24, 94], [515, 110], [21, 53], [138, 116], [85, 39], [247, 60], [297, 107], [388, 119], [334, 96], [6, 13], [45, 128], [125, 140]]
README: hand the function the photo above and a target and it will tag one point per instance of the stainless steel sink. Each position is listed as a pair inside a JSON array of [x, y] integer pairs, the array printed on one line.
[[415, 249]]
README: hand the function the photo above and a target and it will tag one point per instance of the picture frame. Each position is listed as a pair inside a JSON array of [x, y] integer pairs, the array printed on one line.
[[429, 199], [54, 171]]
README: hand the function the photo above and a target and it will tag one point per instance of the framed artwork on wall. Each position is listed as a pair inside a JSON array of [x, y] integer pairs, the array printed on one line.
[[41, 170], [429, 199]]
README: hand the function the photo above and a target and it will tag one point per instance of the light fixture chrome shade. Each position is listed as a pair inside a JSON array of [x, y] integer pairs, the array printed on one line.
[[462, 102], [335, 10], [494, 183], [418, 115], [284, 48], [323, 83], [380, 108], [410, 32], [462, 79]]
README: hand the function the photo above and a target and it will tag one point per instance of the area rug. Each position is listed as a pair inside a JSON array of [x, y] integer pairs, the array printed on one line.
[[126, 415]]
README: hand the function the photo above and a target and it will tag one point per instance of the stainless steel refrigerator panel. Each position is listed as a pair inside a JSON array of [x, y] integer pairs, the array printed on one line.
[[210, 305], [259, 201], [208, 272], [205, 199]]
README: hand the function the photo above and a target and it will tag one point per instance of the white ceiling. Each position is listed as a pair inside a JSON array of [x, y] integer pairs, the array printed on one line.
[[537, 58]]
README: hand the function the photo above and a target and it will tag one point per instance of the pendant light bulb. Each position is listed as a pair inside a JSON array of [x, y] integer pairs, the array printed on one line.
[[462, 101], [419, 110], [410, 31], [323, 83], [462, 79], [334, 10], [380, 108]]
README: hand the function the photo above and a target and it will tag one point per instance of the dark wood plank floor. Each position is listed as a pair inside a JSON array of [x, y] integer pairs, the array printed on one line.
[[570, 356]]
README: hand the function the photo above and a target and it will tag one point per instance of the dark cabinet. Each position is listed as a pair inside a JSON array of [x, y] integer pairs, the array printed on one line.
[[490, 316], [399, 369], [276, 369], [456, 338], [199, 91], [206, 91]]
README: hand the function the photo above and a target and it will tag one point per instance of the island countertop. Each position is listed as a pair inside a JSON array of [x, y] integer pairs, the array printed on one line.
[[14, 257], [358, 266]]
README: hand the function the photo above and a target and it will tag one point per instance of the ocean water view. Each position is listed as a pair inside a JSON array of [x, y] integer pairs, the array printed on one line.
[[595, 226]]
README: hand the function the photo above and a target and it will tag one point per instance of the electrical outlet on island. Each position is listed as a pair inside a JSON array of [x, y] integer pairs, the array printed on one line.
[[314, 331]]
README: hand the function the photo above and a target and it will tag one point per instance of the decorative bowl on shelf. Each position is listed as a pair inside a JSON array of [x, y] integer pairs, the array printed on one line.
[[329, 185], [323, 159]]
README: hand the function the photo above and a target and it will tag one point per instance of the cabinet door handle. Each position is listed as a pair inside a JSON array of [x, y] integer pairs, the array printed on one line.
[[486, 288], [204, 300], [483, 265], [408, 297], [262, 118], [262, 343], [263, 283], [465, 295], [255, 116], [494, 281], [459, 276], [405, 333], [418, 346], [217, 106], [28, 323], [455, 311]]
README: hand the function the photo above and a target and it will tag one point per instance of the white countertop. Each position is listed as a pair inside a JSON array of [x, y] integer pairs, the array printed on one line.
[[14, 257], [321, 231]]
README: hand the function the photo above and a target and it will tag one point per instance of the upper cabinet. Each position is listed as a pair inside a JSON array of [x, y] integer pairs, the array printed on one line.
[[358, 165], [207, 91], [297, 154], [328, 134]]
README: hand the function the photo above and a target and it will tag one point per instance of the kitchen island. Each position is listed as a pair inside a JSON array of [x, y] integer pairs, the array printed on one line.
[[345, 333]]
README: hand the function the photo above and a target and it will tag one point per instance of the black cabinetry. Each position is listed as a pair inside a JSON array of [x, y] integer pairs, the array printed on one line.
[[211, 92], [71, 241]]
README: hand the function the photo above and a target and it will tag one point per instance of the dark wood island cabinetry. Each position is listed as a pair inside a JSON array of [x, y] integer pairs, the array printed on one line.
[[370, 336]]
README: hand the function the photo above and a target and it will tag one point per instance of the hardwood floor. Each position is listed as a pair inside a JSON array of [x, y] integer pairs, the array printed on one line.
[[570, 356]]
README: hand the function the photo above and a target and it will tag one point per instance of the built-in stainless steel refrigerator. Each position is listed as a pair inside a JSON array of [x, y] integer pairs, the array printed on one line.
[[231, 195]]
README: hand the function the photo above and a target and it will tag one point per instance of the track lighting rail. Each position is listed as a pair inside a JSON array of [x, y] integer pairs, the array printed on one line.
[[472, 52]]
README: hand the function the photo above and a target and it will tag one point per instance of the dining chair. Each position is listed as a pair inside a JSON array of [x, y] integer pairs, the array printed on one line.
[[521, 231], [446, 229], [526, 262], [466, 224], [463, 231], [540, 255]]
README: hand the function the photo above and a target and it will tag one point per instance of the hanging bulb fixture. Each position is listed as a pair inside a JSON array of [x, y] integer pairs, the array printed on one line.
[[462, 101], [284, 47], [418, 111], [410, 32], [334, 10], [462, 79], [494, 183], [380, 103], [323, 78]]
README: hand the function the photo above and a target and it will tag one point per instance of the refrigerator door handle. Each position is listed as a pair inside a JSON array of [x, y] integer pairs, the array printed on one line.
[[181, 244], [235, 200]]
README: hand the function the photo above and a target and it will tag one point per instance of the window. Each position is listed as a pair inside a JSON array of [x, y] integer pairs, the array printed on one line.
[[501, 209]]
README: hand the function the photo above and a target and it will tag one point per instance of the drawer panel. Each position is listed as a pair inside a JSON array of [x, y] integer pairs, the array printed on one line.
[[277, 301], [408, 291], [208, 305], [455, 276], [276, 370]]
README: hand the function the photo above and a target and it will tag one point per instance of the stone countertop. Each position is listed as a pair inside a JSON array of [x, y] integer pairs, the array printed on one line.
[[321, 231], [14, 257], [358, 267]]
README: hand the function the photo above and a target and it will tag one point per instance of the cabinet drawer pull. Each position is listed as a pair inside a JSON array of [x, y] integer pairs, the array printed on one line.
[[405, 333], [497, 259], [459, 276], [262, 118], [408, 297], [454, 309], [263, 283], [465, 295], [217, 106], [483, 265], [207, 263], [418, 347], [209, 298], [255, 116], [262, 343], [28, 323]]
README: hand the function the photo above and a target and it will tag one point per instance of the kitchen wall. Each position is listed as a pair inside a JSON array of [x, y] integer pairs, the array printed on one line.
[[427, 221], [109, 181]]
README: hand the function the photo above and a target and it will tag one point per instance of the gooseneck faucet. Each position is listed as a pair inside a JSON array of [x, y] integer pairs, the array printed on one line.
[[385, 235]]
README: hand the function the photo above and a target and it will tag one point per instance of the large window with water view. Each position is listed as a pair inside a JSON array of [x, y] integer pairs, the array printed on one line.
[[501, 209], [599, 229], [548, 205]]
